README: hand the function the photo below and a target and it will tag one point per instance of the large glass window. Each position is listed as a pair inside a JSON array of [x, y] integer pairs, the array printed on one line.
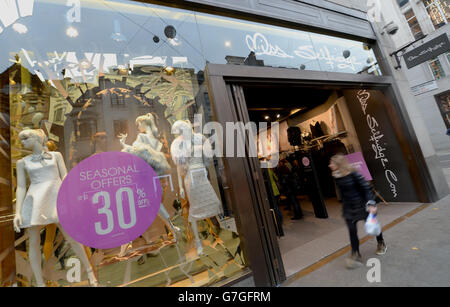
[[443, 101], [439, 11], [413, 24], [116, 76], [436, 69], [402, 3]]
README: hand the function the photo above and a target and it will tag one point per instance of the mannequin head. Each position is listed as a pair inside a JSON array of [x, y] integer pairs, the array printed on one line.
[[33, 139], [147, 121], [183, 127]]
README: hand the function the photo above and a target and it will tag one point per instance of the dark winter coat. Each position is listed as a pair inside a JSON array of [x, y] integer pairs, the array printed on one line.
[[355, 192]]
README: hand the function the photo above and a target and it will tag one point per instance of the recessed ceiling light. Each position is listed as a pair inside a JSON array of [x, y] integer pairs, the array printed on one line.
[[267, 117], [278, 115], [20, 28], [72, 32], [228, 44], [169, 70]]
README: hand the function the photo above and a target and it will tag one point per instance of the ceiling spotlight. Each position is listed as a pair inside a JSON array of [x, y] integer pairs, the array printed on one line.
[[346, 54], [170, 32], [117, 35], [169, 70], [278, 115], [228, 44], [174, 42], [366, 47], [20, 28], [72, 32], [122, 70], [85, 64], [267, 117]]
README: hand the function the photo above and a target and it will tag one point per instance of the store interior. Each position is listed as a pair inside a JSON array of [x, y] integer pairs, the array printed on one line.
[[314, 124]]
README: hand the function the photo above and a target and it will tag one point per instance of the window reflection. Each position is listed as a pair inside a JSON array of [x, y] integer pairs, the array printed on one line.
[[87, 73], [127, 32]]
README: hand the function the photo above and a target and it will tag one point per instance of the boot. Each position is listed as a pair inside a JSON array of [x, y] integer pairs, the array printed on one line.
[[354, 261]]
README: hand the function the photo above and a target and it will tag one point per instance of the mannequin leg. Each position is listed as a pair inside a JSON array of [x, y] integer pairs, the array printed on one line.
[[35, 254], [164, 215], [81, 253], [198, 242]]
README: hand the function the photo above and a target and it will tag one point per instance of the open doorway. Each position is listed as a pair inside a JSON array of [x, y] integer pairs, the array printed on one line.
[[314, 124]]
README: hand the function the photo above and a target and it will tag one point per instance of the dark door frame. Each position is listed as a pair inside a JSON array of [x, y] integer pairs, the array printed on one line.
[[256, 226]]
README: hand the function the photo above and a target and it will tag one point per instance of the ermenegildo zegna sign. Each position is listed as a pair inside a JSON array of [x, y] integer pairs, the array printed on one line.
[[427, 51], [381, 148]]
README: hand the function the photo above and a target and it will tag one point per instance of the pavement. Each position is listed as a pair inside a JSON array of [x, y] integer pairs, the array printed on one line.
[[418, 255]]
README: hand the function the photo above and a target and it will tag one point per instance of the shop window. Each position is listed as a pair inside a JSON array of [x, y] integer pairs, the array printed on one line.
[[413, 24], [443, 101], [120, 127], [85, 128], [117, 100], [439, 11], [59, 115], [436, 69]]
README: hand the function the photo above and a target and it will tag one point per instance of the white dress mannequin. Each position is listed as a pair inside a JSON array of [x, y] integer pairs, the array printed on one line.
[[188, 153], [36, 207], [148, 147]]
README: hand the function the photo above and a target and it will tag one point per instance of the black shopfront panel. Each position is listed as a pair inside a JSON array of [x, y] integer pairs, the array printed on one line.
[[381, 147]]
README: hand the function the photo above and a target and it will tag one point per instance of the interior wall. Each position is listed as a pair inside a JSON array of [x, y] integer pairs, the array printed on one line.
[[351, 141], [336, 116]]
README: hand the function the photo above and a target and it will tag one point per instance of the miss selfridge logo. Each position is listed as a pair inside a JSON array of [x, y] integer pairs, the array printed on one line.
[[259, 44]]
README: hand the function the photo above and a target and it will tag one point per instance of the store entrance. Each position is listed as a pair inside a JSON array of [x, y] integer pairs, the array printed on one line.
[[314, 124], [327, 113]]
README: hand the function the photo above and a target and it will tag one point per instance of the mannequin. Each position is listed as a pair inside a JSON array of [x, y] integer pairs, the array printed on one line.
[[148, 147], [36, 207], [188, 153]]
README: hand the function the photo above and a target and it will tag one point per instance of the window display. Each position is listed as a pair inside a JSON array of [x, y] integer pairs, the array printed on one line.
[[97, 105], [165, 254]]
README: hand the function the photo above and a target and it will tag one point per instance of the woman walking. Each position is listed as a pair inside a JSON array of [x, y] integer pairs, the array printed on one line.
[[358, 201]]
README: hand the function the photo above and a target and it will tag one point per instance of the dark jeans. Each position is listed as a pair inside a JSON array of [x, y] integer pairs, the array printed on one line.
[[279, 216], [353, 230], [293, 203]]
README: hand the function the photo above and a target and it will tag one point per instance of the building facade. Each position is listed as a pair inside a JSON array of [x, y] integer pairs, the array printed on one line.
[[100, 83], [420, 22]]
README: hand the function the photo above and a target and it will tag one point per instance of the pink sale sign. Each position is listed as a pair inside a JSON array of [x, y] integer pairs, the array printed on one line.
[[109, 199]]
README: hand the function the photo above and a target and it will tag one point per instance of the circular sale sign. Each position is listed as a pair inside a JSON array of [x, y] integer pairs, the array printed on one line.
[[109, 199], [306, 162]]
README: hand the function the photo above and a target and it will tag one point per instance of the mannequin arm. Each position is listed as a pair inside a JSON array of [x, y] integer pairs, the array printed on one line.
[[122, 138], [20, 194], [61, 165]]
